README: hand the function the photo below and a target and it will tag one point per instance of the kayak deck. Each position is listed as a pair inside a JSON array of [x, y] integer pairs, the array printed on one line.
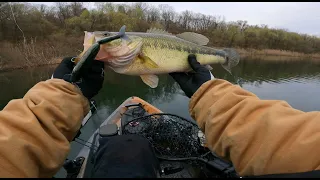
[[114, 118]]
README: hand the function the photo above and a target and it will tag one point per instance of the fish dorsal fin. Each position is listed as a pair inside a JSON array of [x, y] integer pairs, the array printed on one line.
[[158, 31], [194, 37]]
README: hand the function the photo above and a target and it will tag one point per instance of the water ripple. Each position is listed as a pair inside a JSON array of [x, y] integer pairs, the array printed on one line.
[[293, 78]]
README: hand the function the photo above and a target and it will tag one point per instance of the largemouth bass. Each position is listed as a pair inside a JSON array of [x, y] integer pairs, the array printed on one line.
[[157, 52]]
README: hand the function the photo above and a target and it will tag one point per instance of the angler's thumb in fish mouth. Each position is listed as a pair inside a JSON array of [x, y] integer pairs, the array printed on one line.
[[190, 82]]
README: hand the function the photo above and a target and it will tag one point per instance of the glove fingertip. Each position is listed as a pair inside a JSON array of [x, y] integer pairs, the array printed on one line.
[[195, 65], [192, 56], [67, 61]]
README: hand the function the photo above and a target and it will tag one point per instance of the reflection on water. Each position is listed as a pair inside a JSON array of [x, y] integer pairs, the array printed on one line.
[[295, 82], [14, 84]]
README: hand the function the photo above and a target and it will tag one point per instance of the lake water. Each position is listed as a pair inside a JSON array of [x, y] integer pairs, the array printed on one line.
[[297, 82]]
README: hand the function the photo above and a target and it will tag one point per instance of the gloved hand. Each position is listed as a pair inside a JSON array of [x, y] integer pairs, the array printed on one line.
[[89, 83], [191, 81]]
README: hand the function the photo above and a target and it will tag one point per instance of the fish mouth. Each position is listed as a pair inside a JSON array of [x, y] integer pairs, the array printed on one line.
[[120, 52]]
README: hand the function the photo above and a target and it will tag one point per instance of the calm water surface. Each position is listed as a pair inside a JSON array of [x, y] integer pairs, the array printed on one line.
[[298, 83]]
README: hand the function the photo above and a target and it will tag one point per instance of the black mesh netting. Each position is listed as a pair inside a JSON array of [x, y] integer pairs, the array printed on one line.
[[171, 136]]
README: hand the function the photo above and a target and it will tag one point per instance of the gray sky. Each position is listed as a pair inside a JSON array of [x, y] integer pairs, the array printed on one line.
[[301, 17]]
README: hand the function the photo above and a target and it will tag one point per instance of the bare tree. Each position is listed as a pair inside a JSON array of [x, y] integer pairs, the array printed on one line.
[[153, 14], [63, 11], [167, 14], [76, 8], [243, 25], [185, 19]]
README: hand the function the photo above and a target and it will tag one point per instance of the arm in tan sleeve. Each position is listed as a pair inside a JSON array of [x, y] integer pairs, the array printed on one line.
[[258, 136], [35, 131]]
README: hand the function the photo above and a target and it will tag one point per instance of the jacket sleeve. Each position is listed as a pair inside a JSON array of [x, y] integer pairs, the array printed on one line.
[[258, 136], [35, 131]]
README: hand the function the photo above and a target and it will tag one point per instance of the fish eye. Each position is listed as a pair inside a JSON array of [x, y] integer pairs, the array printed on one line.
[[107, 34]]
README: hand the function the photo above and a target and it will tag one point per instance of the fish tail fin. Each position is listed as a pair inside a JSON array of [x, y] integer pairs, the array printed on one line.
[[232, 59]]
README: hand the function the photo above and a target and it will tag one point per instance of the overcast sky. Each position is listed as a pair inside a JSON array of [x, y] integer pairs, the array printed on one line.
[[301, 17]]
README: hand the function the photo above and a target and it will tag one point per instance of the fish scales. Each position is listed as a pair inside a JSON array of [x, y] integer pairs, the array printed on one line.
[[169, 53]]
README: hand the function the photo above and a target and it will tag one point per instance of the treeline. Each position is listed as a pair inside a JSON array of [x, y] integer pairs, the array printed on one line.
[[71, 19]]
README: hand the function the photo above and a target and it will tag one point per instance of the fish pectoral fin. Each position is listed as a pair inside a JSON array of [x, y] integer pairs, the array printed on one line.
[[208, 67], [150, 79], [147, 61], [194, 37]]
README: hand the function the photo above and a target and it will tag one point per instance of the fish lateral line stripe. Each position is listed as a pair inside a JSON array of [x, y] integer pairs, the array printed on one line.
[[181, 45]]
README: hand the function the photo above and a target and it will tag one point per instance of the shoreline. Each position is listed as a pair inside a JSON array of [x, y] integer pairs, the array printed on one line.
[[249, 54], [273, 54], [7, 68]]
